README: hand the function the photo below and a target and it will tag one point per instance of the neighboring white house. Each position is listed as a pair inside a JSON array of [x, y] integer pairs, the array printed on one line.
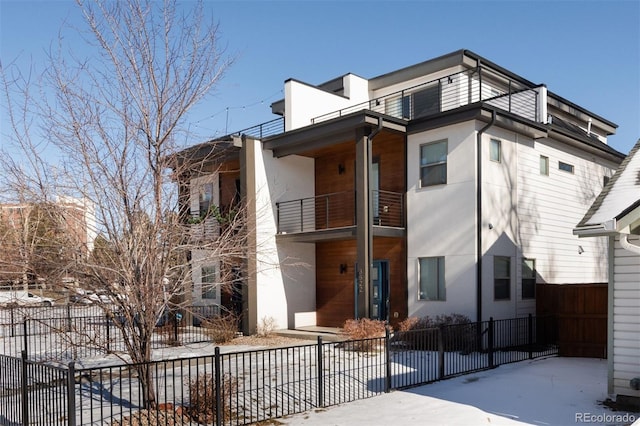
[[455, 180], [616, 214]]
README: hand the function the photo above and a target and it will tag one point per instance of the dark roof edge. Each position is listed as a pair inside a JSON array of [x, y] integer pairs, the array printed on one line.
[[581, 109]]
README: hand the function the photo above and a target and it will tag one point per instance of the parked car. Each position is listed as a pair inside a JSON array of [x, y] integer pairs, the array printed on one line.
[[23, 298], [81, 295]]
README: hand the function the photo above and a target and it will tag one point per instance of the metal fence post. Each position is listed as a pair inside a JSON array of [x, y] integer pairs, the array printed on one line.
[[71, 395], [387, 343], [320, 374], [490, 342], [218, 384], [13, 323], [440, 354], [530, 335], [24, 389], [108, 335], [25, 337], [68, 317], [175, 327]]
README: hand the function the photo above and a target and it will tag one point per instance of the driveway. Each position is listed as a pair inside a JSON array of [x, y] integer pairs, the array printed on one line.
[[545, 391]]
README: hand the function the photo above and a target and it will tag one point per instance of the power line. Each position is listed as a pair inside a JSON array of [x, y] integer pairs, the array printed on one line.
[[230, 108]]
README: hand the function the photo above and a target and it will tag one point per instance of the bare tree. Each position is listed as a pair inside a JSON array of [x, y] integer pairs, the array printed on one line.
[[110, 123]]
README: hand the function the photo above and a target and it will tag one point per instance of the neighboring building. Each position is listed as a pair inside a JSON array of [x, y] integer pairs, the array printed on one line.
[[616, 215], [457, 181], [37, 238]]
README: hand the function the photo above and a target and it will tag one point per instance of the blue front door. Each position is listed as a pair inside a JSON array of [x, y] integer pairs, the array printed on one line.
[[380, 290]]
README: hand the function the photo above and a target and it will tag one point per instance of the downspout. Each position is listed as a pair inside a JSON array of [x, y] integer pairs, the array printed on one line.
[[375, 131], [479, 216]]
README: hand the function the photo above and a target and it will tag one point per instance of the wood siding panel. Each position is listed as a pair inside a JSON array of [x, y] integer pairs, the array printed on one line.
[[335, 300], [581, 310]]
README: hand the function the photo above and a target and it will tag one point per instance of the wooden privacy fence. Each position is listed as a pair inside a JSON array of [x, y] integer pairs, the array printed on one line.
[[581, 311]]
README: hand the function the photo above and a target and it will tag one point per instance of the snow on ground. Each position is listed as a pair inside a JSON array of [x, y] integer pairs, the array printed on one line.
[[546, 391]]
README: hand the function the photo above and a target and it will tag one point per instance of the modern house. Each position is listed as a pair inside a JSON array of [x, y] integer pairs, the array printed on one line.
[[449, 186], [616, 214]]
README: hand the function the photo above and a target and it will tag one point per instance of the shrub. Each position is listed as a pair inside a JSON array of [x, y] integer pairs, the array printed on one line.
[[359, 330], [202, 398], [267, 326], [458, 333], [223, 328]]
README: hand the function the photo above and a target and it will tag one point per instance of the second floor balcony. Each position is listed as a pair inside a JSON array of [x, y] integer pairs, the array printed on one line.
[[338, 211]]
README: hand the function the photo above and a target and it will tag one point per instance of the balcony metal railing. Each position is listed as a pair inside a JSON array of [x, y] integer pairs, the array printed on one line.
[[337, 210], [451, 92], [263, 130]]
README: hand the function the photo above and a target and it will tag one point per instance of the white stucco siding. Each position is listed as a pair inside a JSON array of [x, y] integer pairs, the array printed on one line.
[[626, 318], [285, 275], [304, 102], [441, 221]]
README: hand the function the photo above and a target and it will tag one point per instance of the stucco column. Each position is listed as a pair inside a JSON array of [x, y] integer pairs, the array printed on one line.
[[248, 193], [364, 221]]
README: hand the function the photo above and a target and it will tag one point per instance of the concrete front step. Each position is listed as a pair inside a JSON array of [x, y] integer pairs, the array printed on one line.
[[328, 334]]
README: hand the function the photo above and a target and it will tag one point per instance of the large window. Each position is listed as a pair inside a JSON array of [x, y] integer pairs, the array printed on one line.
[[528, 278], [432, 285], [501, 278], [433, 163], [426, 101], [208, 281]]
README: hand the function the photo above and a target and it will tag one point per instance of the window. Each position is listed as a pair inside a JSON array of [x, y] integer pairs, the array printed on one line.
[[208, 280], [528, 278], [605, 180], [426, 101], [206, 198], [544, 165], [565, 167], [501, 278], [398, 107], [431, 273], [433, 163], [495, 150]]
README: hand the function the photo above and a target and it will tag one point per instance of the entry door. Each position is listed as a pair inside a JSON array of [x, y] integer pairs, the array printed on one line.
[[380, 290]]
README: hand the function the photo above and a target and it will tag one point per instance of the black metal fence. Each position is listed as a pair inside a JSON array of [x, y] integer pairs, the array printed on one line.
[[246, 387], [72, 337]]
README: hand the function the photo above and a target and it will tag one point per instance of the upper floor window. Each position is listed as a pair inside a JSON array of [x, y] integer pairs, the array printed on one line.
[[544, 165], [432, 285], [426, 101], [528, 278], [495, 150], [206, 198], [208, 282], [502, 278], [433, 163], [566, 167]]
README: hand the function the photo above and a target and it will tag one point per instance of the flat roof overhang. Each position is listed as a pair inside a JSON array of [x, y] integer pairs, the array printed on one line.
[[346, 233], [481, 112], [330, 132]]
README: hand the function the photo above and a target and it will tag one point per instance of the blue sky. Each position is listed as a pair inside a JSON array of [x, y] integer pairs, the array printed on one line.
[[585, 51]]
